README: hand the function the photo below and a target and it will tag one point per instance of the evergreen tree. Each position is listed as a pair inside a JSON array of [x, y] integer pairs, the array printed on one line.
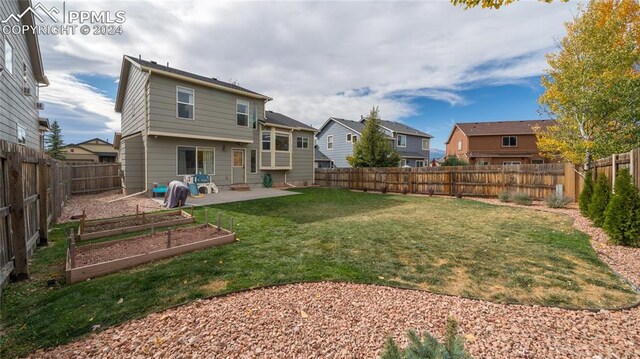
[[374, 148], [599, 201], [428, 346], [54, 142], [586, 194], [622, 217]]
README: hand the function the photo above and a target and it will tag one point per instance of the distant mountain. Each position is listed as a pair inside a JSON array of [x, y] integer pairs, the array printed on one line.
[[436, 153]]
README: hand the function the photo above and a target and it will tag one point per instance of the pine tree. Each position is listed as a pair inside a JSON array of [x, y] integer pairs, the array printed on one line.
[[586, 194], [599, 201], [54, 142], [622, 217], [374, 148]]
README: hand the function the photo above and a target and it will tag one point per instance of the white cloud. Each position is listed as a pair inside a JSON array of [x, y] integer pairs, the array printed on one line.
[[316, 59]]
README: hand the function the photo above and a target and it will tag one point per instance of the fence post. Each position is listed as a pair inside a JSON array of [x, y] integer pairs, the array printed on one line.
[[43, 184], [16, 201], [72, 248], [169, 238], [614, 170]]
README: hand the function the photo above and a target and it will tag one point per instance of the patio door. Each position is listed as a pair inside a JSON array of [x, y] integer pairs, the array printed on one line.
[[238, 166]]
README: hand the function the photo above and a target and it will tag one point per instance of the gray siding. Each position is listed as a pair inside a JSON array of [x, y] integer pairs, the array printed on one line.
[[303, 166], [341, 148], [16, 108], [134, 104], [214, 115], [133, 165]]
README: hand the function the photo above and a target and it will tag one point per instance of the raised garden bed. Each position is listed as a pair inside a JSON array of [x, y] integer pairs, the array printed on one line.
[[94, 260], [100, 228]]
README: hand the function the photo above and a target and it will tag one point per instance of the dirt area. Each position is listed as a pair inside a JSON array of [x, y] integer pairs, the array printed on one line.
[[129, 222], [97, 206], [140, 245]]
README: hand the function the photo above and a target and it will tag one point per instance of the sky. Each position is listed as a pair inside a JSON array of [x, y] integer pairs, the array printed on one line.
[[425, 63]]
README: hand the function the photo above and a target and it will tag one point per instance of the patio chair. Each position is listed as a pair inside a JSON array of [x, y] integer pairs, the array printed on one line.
[[203, 180]]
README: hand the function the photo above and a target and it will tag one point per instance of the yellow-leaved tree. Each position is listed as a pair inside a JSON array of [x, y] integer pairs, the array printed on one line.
[[489, 4], [592, 87]]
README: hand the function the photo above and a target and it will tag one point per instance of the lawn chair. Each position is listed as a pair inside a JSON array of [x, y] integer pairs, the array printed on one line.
[[204, 181]]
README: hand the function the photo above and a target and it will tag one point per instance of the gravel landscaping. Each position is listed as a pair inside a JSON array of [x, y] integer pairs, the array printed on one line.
[[97, 206], [340, 320]]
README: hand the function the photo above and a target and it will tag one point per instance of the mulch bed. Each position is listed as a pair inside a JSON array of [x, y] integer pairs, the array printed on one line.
[[107, 251], [130, 222]]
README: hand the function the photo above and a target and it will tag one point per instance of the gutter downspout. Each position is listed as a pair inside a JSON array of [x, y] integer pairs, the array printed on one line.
[[146, 137]]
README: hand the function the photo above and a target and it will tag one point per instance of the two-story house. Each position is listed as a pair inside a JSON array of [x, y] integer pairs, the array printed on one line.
[[337, 136], [496, 143], [95, 150], [176, 123], [21, 76]]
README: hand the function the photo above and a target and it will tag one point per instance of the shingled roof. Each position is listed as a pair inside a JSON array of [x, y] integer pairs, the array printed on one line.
[[352, 125], [500, 128], [402, 128], [282, 120]]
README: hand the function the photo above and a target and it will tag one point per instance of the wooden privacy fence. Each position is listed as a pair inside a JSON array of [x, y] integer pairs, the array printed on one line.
[[610, 166], [539, 181], [34, 189], [95, 177]]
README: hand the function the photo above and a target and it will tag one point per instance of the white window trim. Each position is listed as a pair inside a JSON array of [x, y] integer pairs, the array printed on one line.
[[516, 137], [213, 149], [254, 125], [193, 93], [18, 128], [398, 140], [262, 141], [8, 63], [349, 137], [257, 162], [419, 161], [240, 113], [330, 141], [274, 141], [425, 140], [303, 142], [460, 145]]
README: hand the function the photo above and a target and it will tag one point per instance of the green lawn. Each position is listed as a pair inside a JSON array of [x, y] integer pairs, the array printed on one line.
[[441, 245]]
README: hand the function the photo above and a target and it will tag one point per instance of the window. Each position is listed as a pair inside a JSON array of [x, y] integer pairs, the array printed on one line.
[[403, 162], [185, 103], [254, 161], [22, 135], [419, 163], [302, 142], [8, 56], [238, 158], [348, 137], [194, 160], [330, 142], [355, 138], [460, 145], [510, 163], [509, 141], [402, 141], [282, 142], [537, 162], [254, 117], [242, 113], [482, 163], [425, 144], [25, 76], [266, 141]]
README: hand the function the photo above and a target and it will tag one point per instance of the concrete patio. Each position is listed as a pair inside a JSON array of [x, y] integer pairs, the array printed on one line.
[[226, 196]]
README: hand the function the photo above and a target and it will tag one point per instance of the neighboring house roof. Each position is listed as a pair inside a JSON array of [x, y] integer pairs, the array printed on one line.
[[95, 139], [500, 128], [321, 157], [351, 125], [32, 43], [402, 128], [279, 119], [154, 67]]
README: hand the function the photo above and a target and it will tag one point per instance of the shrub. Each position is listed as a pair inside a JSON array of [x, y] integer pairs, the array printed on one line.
[[454, 161], [622, 216], [555, 201], [431, 191], [599, 201], [504, 196], [384, 189], [586, 194], [522, 198], [428, 346]]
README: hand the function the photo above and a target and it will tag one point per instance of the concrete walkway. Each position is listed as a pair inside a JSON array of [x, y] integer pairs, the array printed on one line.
[[226, 196]]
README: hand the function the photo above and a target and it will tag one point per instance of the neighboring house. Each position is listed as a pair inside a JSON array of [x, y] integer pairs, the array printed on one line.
[[21, 76], [322, 161], [496, 143], [94, 150], [337, 136], [176, 123]]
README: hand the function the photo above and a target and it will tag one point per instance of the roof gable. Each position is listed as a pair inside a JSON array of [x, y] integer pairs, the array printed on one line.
[[354, 126], [398, 127]]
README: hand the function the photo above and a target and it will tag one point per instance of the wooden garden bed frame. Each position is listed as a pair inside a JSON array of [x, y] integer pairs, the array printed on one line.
[[75, 274], [147, 218]]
